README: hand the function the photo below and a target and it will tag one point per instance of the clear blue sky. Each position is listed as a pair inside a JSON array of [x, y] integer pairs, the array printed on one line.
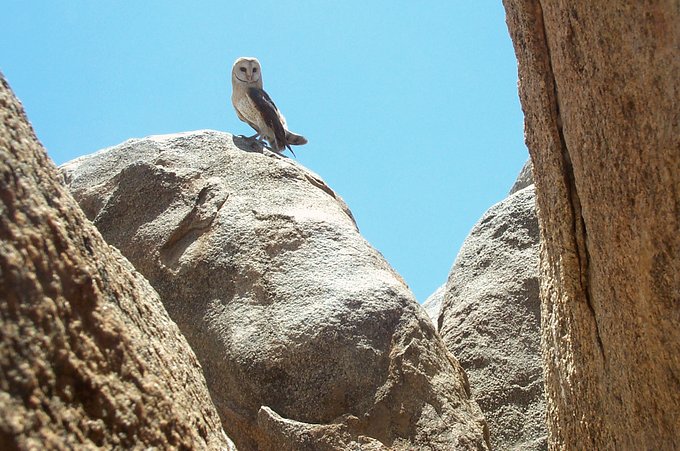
[[410, 108]]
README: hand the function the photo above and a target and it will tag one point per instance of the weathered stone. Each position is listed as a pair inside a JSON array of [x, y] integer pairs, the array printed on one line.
[[490, 320], [289, 435], [288, 308], [433, 304], [89, 358], [599, 85], [524, 179]]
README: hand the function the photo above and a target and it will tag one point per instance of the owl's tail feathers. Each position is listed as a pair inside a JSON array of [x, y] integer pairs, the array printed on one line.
[[294, 139]]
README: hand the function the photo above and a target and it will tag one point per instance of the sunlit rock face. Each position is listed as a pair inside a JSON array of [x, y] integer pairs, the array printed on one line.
[[307, 337], [490, 320], [89, 358], [598, 82]]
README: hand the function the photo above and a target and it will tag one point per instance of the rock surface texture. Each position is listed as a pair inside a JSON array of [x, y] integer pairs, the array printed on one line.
[[524, 179], [433, 304], [89, 358], [490, 320], [600, 89], [308, 339]]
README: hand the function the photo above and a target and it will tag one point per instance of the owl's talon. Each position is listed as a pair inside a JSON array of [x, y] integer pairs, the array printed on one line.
[[255, 137]]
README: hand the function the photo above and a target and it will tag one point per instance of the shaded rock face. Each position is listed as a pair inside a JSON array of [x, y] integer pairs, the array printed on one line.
[[599, 89], [88, 355], [308, 338], [490, 320]]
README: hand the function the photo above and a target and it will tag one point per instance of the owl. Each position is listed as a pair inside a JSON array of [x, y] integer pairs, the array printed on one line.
[[254, 106]]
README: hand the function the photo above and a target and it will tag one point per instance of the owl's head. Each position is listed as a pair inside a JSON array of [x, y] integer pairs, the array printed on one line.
[[247, 70]]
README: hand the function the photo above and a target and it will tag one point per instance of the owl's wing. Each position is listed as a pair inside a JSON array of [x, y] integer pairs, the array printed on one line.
[[270, 114]]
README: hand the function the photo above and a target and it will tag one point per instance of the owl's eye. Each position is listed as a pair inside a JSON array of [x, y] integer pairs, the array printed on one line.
[[242, 69], [254, 69]]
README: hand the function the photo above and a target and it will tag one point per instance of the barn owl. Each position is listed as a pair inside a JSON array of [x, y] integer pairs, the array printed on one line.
[[254, 106]]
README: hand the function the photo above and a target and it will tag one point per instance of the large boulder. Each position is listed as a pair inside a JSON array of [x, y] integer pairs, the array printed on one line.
[[598, 82], [89, 358], [490, 320], [308, 338]]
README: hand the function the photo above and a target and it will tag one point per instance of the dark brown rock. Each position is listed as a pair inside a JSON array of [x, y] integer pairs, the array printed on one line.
[[89, 359], [599, 84]]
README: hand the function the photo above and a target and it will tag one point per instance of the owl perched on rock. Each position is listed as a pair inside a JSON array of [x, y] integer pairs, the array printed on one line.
[[254, 106]]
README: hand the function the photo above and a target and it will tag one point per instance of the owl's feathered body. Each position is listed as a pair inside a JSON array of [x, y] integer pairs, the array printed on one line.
[[254, 106]]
